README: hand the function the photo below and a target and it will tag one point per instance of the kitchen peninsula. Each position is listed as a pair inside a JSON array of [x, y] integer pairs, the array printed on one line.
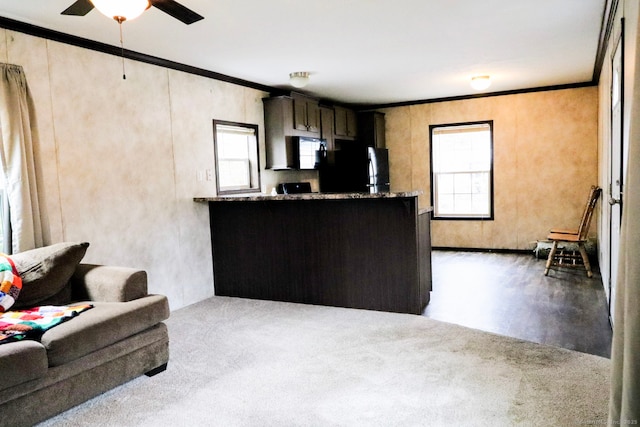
[[358, 250]]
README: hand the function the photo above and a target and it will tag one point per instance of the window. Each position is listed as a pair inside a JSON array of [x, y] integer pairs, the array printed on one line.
[[236, 152], [462, 170]]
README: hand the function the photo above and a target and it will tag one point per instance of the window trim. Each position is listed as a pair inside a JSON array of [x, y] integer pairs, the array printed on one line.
[[258, 188], [491, 180]]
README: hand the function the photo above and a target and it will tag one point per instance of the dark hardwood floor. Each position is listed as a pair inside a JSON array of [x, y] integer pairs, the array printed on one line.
[[508, 294]]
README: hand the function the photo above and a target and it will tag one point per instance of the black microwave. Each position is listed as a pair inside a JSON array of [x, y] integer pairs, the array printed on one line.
[[308, 151]]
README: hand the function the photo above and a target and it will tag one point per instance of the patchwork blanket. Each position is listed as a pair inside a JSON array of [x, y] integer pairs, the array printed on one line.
[[10, 283], [32, 323]]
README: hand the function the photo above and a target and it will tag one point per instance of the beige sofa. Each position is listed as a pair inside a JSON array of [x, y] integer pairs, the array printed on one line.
[[120, 338]]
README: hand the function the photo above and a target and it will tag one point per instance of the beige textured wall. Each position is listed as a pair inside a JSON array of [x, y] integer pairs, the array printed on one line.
[[545, 160], [120, 158]]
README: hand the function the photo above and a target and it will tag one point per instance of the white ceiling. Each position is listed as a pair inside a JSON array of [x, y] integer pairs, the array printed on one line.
[[359, 51]]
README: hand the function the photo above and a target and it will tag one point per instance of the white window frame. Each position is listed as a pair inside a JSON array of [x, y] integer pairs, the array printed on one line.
[[480, 173], [250, 163]]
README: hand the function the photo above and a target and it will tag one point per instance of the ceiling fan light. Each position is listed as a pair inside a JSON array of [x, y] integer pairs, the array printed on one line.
[[127, 9], [299, 79], [480, 82]]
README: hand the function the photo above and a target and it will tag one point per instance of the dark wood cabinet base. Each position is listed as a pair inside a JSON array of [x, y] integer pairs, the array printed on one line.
[[359, 253]]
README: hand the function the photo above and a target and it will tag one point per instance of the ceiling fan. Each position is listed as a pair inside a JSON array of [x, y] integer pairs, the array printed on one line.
[[170, 7]]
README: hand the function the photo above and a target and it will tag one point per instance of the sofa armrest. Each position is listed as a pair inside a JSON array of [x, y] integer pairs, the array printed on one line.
[[108, 283]]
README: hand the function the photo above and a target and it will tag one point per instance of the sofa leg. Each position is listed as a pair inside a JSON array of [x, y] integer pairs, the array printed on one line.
[[156, 371]]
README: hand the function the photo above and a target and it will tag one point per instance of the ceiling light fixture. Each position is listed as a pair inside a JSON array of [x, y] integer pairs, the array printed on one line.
[[299, 79], [121, 10], [480, 82]]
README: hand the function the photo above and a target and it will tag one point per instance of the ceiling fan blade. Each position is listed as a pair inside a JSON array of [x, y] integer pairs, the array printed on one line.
[[178, 11], [79, 8]]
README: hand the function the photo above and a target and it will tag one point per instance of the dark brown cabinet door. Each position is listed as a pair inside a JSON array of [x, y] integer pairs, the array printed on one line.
[[278, 119], [313, 116], [299, 114], [326, 126], [306, 114], [345, 123], [371, 129]]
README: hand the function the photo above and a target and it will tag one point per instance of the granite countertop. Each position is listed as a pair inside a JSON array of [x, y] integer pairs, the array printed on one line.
[[307, 196]]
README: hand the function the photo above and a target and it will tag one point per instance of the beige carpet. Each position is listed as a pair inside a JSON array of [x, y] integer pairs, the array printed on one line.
[[237, 362]]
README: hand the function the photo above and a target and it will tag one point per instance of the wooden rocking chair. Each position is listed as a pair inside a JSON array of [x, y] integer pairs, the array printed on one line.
[[568, 258]]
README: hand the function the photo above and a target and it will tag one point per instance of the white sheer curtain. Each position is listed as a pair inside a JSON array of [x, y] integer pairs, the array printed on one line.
[[17, 138], [625, 357]]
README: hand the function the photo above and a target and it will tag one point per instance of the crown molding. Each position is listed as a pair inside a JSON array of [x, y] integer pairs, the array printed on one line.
[[45, 33]]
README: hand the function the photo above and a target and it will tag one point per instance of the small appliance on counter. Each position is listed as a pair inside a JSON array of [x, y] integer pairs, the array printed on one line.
[[293, 188]]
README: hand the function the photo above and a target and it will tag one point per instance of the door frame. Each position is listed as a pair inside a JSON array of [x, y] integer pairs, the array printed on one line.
[[616, 167]]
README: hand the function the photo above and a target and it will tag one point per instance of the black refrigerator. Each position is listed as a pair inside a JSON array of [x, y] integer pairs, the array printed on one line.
[[355, 168]]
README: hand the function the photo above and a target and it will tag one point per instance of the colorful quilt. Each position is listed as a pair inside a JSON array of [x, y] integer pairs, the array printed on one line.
[[10, 283], [32, 323]]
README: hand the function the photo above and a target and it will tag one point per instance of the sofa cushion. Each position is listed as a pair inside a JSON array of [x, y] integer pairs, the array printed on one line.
[[45, 273], [106, 323], [21, 361]]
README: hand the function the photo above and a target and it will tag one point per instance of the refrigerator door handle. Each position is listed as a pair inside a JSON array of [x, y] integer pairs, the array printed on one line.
[[373, 173]]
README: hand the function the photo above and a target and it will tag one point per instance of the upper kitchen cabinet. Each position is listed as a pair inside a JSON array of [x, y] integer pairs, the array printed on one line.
[[371, 129], [346, 125], [282, 115], [278, 119], [306, 115], [295, 115], [327, 126]]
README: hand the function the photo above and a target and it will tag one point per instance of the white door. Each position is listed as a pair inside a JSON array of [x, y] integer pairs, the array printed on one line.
[[616, 171]]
